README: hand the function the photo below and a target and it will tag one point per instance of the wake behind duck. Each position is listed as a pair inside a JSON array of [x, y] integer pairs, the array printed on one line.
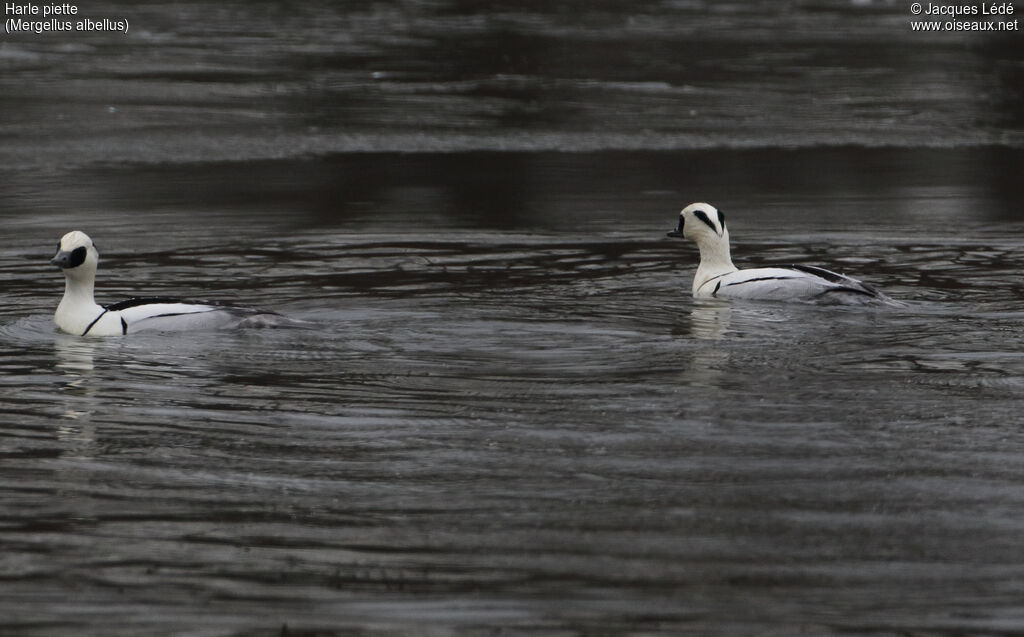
[[78, 313], [717, 277]]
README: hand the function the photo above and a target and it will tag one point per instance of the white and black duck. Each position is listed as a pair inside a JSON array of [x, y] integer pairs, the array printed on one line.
[[78, 313], [717, 277]]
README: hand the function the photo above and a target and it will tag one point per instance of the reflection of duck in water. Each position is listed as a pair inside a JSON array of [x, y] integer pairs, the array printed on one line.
[[78, 313], [717, 277], [710, 319]]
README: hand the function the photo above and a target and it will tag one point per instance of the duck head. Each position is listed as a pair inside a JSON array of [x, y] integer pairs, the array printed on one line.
[[76, 256], [702, 223], [705, 225]]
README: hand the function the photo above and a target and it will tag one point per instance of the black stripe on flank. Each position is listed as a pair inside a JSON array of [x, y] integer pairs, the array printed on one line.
[[828, 275], [761, 278], [94, 321], [845, 283], [124, 326], [715, 291], [712, 279], [124, 305], [176, 314]]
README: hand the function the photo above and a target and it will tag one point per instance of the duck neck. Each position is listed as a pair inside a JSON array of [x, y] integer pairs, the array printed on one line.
[[78, 291], [714, 260]]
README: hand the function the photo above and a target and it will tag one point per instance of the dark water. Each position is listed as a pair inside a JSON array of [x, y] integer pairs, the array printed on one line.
[[198, 81], [507, 416]]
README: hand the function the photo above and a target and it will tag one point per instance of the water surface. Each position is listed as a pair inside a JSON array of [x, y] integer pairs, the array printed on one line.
[[520, 422], [505, 413]]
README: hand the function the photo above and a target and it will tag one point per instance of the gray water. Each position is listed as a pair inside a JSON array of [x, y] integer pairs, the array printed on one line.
[[504, 413]]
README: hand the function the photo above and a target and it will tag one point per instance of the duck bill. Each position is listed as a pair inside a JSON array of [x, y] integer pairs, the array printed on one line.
[[61, 259]]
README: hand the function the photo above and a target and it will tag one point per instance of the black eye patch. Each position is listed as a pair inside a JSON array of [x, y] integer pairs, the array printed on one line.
[[77, 257], [700, 214]]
